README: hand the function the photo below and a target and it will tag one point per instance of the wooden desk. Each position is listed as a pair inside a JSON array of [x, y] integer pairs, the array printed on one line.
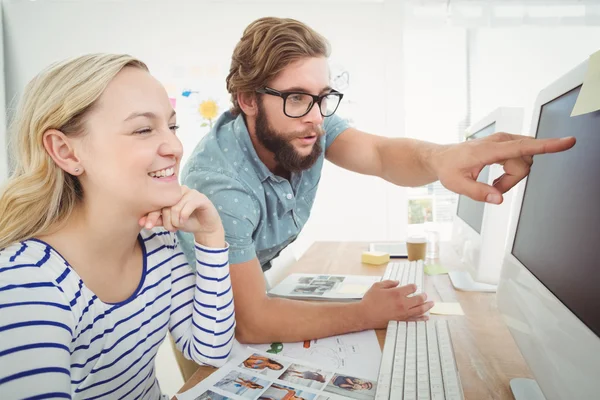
[[486, 353]]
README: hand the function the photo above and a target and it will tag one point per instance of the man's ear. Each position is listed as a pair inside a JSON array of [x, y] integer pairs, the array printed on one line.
[[60, 148], [248, 103]]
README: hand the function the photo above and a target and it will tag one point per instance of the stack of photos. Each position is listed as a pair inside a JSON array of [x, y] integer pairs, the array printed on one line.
[[263, 376]]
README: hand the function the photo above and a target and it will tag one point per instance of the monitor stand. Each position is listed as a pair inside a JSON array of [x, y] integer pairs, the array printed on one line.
[[526, 389], [462, 280]]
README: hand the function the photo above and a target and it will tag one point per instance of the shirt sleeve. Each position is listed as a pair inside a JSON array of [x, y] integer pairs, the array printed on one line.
[[239, 212], [334, 126], [33, 365], [202, 320]]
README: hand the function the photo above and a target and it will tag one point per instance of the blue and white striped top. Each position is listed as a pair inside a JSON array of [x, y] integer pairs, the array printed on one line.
[[58, 340]]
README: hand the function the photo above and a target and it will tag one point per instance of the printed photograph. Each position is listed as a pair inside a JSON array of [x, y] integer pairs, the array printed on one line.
[[318, 282], [302, 289], [264, 365], [337, 278], [281, 392], [246, 386], [210, 395], [305, 280], [351, 387], [306, 376]]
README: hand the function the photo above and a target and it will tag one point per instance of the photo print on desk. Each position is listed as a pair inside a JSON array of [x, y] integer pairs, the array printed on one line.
[[351, 387], [306, 376], [210, 395], [282, 392], [264, 365], [246, 386]]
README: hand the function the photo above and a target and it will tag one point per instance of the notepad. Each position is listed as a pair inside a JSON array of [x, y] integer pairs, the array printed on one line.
[[447, 309]]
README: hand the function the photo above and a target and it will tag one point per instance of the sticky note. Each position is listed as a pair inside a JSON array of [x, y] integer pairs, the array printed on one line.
[[589, 96], [435, 269], [375, 257], [352, 288], [447, 309]]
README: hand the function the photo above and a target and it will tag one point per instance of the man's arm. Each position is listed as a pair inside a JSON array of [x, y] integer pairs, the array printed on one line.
[[398, 160], [262, 319], [411, 162]]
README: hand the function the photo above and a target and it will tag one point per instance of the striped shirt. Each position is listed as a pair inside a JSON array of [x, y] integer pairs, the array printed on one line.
[[58, 340]]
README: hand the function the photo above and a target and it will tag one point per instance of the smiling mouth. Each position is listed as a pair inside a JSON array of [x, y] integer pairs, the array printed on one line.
[[162, 173]]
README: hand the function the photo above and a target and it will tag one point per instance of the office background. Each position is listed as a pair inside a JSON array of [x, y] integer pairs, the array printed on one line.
[[421, 69]]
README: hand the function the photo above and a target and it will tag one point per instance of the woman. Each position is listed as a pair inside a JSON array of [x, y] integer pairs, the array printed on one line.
[[91, 274]]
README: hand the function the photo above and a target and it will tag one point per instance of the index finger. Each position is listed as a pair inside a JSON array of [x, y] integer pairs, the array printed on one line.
[[526, 147]]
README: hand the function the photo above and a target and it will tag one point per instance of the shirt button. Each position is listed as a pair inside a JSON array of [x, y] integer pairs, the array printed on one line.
[[289, 196]]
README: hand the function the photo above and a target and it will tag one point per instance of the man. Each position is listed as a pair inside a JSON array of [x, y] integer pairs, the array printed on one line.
[[261, 165]]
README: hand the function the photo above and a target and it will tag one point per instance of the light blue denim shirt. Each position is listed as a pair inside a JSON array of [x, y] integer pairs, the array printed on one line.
[[262, 213]]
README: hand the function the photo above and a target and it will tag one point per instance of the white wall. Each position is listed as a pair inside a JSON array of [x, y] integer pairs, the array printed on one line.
[[190, 43], [511, 65]]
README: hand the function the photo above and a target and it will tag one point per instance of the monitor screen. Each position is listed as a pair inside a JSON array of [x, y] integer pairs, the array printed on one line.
[[468, 210], [557, 236]]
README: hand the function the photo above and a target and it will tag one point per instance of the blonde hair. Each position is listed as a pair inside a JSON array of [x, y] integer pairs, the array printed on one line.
[[267, 46], [39, 195]]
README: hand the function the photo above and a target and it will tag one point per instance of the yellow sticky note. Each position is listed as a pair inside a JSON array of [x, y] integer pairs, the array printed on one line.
[[435, 269], [589, 96], [353, 288], [375, 257], [447, 309]]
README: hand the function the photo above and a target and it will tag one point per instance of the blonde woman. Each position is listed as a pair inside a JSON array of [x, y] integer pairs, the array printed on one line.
[[91, 274]]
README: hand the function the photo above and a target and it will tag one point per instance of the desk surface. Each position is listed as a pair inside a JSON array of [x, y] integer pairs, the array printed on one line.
[[486, 353]]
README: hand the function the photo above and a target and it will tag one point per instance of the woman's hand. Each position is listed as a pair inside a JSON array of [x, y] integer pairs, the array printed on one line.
[[193, 213]]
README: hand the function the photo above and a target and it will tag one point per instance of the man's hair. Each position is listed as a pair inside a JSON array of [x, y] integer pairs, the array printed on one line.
[[267, 46]]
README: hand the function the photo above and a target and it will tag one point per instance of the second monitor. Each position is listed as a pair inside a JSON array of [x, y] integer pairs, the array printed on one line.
[[479, 229]]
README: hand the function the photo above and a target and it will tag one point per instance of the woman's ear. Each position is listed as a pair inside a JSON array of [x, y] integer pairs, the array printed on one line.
[[60, 148], [248, 103]]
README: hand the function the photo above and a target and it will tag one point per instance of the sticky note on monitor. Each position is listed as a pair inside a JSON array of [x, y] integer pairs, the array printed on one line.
[[447, 309], [589, 96]]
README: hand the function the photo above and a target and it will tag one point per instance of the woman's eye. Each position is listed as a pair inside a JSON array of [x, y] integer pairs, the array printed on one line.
[[174, 128], [143, 131]]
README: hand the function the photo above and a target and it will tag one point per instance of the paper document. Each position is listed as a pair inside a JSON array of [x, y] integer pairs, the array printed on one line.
[[356, 354], [324, 287], [252, 374], [589, 96]]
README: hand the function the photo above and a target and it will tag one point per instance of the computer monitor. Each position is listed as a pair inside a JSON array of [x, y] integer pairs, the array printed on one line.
[[549, 292], [479, 229]]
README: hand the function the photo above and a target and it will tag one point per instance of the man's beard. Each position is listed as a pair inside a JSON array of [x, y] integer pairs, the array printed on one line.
[[282, 148]]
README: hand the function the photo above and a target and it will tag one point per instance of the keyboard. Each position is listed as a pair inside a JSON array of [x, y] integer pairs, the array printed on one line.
[[406, 272], [418, 360], [418, 363]]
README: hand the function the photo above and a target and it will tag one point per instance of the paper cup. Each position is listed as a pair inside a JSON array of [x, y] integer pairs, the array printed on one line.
[[416, 247]]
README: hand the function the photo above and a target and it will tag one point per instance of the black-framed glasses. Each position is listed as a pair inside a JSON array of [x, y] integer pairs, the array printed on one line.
[[298, 104]]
